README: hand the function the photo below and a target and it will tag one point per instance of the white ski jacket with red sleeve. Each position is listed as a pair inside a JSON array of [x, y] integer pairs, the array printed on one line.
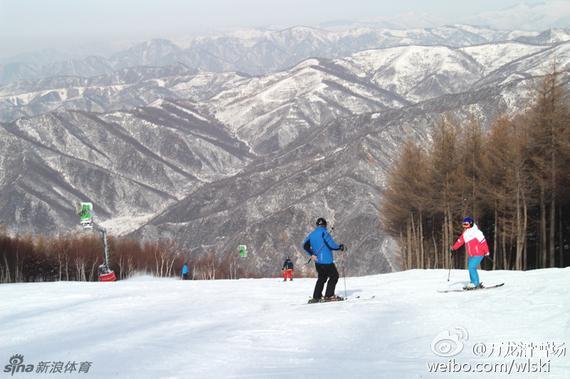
[[474, 241]]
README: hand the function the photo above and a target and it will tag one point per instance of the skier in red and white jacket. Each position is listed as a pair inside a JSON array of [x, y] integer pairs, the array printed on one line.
[[476, 247]]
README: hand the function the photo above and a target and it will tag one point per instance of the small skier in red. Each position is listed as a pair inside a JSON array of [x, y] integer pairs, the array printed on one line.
[[287, 270]]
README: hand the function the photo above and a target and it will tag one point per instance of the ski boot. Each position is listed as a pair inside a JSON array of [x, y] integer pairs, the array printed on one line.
[[469, 287], [314, 300]]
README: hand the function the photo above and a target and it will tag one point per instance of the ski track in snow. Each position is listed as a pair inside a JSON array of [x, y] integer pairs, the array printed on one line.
[[263, 328]]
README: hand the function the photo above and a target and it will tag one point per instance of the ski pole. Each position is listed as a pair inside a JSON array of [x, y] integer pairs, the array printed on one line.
[[343, 272], [343, 264], [450, 264]]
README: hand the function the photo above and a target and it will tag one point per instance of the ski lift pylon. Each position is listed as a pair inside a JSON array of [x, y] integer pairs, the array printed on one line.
[[85, 212]]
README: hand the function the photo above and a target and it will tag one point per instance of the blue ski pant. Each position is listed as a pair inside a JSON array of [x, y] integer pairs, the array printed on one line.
[[473, 263]]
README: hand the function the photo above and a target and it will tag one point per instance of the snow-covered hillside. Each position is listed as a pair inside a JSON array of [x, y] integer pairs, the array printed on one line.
[[214, 160], [152, 328], [493, 56], [416, 72]]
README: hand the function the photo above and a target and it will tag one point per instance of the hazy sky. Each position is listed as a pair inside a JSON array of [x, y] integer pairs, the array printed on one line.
[[32, 24]]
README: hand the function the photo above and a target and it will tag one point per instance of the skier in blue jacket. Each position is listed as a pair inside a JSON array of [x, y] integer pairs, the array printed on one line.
[[319, 246], [185, 271]]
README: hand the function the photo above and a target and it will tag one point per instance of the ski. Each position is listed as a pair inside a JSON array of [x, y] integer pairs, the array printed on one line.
[[343, 300], [475, 289]]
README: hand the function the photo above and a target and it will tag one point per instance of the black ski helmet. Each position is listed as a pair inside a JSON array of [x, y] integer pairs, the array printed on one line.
[[321, 222]]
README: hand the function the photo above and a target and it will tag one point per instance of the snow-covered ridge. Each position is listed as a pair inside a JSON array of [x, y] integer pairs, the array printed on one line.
[[260, 51], [414, 72], [493, 56]]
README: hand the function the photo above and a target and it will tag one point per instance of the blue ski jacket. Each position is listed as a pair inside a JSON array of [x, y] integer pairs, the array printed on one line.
[[320, 243], [185, 269]]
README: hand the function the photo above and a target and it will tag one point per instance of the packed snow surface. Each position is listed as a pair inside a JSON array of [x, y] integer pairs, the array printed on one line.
[[263, 328]]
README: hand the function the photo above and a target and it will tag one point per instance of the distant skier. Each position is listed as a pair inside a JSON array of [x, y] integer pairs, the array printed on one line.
[[476, 247], [287, 270], [185, 271], [319, 245]]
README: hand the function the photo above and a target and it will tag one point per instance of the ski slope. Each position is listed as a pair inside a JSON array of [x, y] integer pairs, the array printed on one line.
[[262, 328]]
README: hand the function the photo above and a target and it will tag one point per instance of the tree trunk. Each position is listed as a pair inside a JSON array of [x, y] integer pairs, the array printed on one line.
[[495, 238], [504, 249], [543, 250], [518, 260], [560, 238], [551, 239], [524, 232], [415, 251], [421, 237], [435, 251], [408, 246], [8, 276], [444, 240]]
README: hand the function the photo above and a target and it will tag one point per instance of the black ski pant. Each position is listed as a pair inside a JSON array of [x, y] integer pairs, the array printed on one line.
[[325, 271]]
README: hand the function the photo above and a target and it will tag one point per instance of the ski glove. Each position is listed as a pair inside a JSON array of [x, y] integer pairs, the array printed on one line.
[[451, 251], [341, 247]]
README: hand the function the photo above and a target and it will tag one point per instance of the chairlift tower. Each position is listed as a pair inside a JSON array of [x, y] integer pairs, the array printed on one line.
[[86, 214]]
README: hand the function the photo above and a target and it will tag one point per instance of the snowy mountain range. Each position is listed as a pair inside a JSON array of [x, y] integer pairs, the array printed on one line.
[[167, 148], [256, 52]]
